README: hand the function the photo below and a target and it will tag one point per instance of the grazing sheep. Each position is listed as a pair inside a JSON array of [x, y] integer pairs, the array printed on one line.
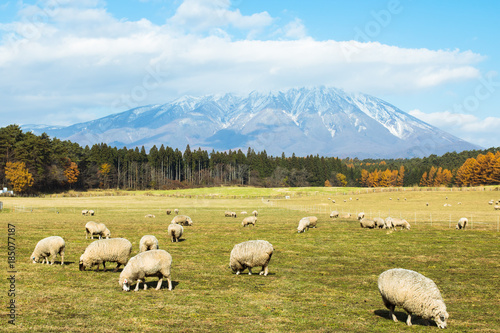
[[361, 215], [334, 214], [233, 214], [250, 254], [91, 212], [93, 228], [333, 201], [182, 220], [427, 204], [347, 216], [176, 211], [243, 213], [147, 243], [113, 250], [489, 203], [379, 222], [151, 263], [175, 231], [49, 246], [367, 223], [149, 216], [249, 220], [85, 212], [345, 200], [459, 203], [169, 211], [304, 224], [415, 293], [497, 207], [255, 213], [462, 223], [400, 223]]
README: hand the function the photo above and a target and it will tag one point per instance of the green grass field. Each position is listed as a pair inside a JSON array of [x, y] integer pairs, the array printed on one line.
[[324, 280]]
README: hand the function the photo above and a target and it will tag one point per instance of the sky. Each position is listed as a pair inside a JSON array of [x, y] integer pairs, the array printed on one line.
[[63, 62]]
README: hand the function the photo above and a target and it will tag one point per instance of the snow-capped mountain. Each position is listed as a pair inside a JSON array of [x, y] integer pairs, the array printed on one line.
[[305, 121]]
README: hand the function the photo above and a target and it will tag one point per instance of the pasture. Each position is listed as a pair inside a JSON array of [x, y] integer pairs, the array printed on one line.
[[323, 280]]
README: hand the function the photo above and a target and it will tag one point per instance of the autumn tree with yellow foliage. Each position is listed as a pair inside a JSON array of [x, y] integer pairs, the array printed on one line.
[[19, 176]]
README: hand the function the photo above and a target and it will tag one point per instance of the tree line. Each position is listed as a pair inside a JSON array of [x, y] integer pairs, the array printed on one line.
[[32, 163]]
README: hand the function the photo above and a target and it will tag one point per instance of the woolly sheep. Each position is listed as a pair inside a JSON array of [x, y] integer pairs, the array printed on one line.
[[176, 211], [151, 263], [182, 220], [169, 211], [489, 203], [347, 216], [379, 222], [361, 215], [367, 223], [333, 201], [149, 216], [93, 228], [85, 212], [250, 254], [91, 212], [400, 223], [462, 223], [147, 243], [334, 214], [388, 223], [255, 213], [175, 231], [497, 207], [113, 250], [415, 293], [304, 224], [233, 214], [243, 213], [49, 246], [227, 213], [248, 220]]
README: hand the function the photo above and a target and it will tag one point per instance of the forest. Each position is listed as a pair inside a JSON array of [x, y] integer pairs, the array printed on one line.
[[31, 164]]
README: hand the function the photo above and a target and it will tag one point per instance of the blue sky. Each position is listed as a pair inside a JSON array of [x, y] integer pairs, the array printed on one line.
[[63, 62]]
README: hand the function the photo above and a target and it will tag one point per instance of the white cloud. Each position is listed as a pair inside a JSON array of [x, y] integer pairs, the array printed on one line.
[[483, 132], [81, 57]]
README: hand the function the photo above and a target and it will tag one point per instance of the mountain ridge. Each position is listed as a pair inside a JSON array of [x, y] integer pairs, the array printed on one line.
[[304, 121]]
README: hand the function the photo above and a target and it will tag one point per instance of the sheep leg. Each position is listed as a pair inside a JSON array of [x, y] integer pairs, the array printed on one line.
[[169, 283], [238, 272], [249, 270], [62, 257], [145, 285], [264, 271], [116, 269], [52, 258], [408, 320], [160, 281], [137, 285]]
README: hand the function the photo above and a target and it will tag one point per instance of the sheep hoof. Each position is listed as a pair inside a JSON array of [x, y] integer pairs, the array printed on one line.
[[238, 273]]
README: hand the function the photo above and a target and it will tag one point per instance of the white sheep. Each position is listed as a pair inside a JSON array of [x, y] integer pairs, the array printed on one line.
[[334, 214], [347, 216], [49, 246], [304, 224], [182, 220], [399, 223], [497, 207], [175, 231], [333, 201], [176, 211], [169, 211], [147, 243], [255, 213], [462, 223], [113, 250], [92, 228], [85, 212], [250, 254], [243, 213], [91, 212], [367, 223], [227, 213], [149, 216], [249, 220], [151, 263], [388, 223], [490, 202], [379, 222], [415, 293], [361, 215]]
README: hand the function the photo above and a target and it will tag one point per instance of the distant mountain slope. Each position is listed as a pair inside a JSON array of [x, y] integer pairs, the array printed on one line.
[[305, 121]]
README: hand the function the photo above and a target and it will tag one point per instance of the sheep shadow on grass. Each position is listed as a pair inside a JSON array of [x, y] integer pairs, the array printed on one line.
[[152, 283], [402, 316]]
